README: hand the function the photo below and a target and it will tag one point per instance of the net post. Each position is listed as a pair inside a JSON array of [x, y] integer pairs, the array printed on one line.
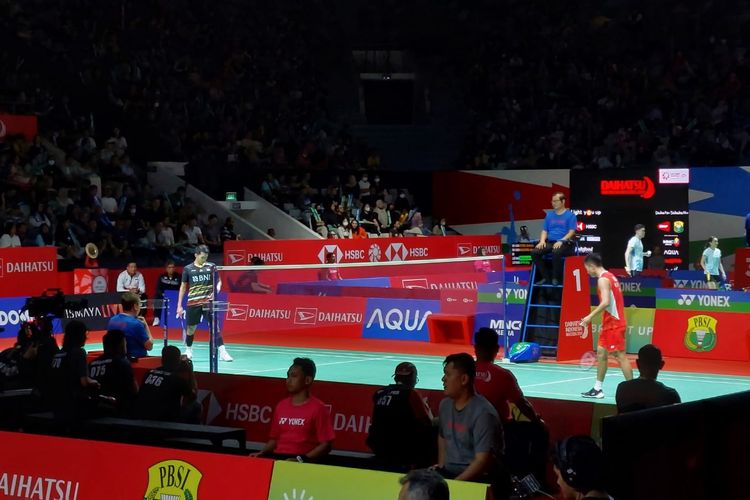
[[503, 284], [213, 355], [165, 315]]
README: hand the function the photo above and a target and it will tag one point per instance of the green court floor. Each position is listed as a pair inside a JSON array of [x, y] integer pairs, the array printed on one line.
[[543, 380]]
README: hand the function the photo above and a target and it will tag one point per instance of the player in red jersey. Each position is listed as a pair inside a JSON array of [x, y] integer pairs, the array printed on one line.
[[612, 336]]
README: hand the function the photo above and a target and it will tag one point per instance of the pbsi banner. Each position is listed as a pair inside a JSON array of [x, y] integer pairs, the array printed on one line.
[[367, 250], [27, 271]]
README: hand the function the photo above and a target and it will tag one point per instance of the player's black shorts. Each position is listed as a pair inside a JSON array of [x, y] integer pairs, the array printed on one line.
[[194, 315]]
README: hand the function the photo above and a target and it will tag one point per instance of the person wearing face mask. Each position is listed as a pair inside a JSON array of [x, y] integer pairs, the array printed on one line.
[[369, 221], [344, 230]]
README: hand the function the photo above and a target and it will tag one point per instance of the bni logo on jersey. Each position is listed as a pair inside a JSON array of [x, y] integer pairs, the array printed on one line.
[[306, 316]]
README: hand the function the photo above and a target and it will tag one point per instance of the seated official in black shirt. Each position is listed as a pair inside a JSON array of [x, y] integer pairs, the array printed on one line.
[[115, 375], [169, 392], [401, 434], [169, 280], [11, 362], [645, 392], [69, 380]]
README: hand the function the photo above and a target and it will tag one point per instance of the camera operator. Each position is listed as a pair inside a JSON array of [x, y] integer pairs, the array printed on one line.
[[37, 358], [69, 378], [137, 334], [113, 371], [169, 392]]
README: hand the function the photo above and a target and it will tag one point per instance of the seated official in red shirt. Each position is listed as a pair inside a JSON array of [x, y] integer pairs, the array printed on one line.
[[497, 384], [301, 427]]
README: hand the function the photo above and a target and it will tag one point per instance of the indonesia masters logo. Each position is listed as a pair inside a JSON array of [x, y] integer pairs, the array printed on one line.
[[701, 333], [172, 480]]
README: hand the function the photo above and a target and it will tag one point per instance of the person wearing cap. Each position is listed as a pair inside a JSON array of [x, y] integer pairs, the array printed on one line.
[[401, 433], [579, 467], [645, 392], [198, 282]]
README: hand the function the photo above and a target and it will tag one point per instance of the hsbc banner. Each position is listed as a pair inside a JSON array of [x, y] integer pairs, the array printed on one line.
[[148, 472], [257, 312], [27, 271], [461, 281], [365, 250], [389, 319], [706, 324]]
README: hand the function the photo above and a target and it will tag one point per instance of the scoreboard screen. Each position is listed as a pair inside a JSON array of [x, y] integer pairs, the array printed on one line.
[[520, 253], [609, 203]]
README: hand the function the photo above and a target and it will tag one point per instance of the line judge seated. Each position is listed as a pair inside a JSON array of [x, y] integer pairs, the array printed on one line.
[[556, 238]]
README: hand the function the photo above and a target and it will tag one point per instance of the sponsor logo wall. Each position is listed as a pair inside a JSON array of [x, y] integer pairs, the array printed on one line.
[[27, 271], [490, 313], [366, 250], [150, 472], [707, 324]]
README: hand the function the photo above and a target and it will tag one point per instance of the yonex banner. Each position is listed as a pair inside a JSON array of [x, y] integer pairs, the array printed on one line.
[[27, 271], [638, 292], [391, 319], [688, 279], [365, 250], [47, 467], [707, 324]]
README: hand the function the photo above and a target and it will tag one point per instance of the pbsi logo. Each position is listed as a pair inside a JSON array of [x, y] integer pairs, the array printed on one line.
[[396, 252], [235, 257], [305, 315], [237, 312], [701, 335], [173, 480]]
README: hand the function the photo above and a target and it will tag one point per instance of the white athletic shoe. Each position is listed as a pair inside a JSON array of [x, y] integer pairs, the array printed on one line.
[[156, 322], [224, 355], [189, 352]]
